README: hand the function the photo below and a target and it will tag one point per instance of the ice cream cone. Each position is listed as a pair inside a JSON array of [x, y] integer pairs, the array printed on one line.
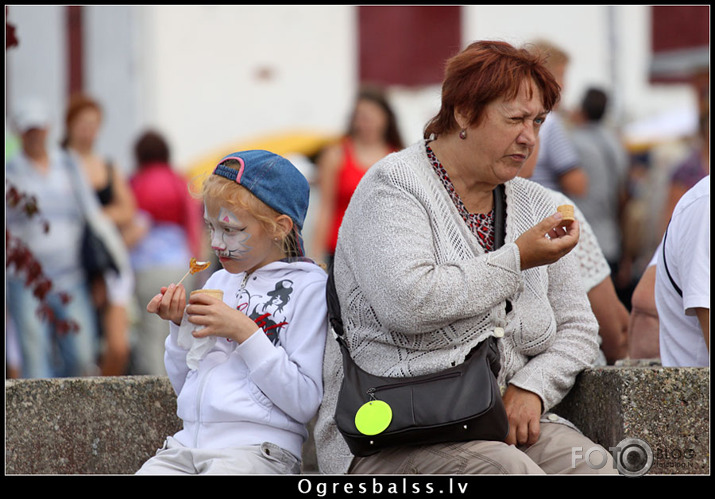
[[567, 211], [217, 293]]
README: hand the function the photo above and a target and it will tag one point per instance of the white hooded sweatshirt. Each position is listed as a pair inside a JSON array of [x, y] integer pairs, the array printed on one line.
[[269, 387]]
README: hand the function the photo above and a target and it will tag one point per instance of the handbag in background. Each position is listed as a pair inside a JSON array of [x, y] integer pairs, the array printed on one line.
[[96, 259], [94, 254]]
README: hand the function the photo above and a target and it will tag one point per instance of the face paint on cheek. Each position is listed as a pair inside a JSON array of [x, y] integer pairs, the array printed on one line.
[[236, 244], [232, 235], [214, 234]]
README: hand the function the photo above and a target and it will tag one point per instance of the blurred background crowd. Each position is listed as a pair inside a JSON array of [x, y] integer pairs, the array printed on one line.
[[145, 99]]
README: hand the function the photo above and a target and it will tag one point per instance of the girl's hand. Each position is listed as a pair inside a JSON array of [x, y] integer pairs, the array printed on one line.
[[169, 304], [547, 242], [218, 319]]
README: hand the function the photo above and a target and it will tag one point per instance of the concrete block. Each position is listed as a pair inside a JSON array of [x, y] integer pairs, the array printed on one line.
[[112, 425], [667, 408], [108, 425]]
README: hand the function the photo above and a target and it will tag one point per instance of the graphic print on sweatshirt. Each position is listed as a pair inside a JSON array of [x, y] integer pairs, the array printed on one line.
[[267, 310]]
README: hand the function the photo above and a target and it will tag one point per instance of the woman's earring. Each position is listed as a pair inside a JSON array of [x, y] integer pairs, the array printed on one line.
[[463, 134]]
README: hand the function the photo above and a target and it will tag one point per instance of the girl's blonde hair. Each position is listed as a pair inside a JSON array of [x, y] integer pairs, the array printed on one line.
[[215, 187]]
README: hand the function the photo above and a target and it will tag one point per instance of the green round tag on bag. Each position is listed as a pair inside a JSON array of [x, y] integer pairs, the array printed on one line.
[[373, 417]]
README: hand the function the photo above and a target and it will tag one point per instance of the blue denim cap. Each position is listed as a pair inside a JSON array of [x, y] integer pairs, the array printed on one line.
[[274, 180]]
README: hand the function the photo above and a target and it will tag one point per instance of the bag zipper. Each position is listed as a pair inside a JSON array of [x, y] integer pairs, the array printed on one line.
[[371, 391], [199, 396]]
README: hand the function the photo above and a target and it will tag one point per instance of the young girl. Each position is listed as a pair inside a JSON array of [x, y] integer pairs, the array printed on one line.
[[246, 402]]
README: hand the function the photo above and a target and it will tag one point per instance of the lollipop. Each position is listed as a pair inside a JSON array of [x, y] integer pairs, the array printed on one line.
[[195, 267]]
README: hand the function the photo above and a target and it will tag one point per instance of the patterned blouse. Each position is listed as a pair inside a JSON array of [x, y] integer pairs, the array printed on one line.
[[481, 225]]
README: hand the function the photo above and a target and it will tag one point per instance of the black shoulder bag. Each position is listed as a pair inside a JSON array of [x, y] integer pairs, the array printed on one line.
[[458, 404]]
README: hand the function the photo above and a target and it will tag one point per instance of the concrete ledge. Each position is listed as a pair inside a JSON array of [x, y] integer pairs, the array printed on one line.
[[112, 425], [667, 408], [102, 425]]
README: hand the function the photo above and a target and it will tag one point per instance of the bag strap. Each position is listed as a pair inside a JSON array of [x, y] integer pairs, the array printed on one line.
[[75, 180], [499, 216], [334, 316], [331, 295], [665, 263]]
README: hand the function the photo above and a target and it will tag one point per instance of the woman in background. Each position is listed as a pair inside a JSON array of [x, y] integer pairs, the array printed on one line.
[[372, 135], [112, 292]]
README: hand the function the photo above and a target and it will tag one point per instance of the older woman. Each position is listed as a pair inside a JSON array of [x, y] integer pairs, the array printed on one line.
[[420, 282]]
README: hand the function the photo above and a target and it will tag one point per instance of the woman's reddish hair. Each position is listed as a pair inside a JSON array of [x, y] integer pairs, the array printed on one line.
[[483, 72]]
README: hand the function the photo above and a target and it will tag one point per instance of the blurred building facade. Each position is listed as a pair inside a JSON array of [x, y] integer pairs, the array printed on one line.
[[210, 75]]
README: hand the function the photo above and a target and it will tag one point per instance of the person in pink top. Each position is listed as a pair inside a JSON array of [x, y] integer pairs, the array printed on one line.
[[171, 219]]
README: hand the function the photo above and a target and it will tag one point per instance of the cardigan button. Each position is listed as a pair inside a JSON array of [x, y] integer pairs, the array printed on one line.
[[498, 332]]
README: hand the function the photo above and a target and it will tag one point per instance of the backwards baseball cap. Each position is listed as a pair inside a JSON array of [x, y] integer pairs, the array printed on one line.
[[272, 179]]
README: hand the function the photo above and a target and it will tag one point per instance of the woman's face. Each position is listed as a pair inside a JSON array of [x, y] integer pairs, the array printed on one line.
[[34, 140], [506, 136], [239, 240], [369, 119], [85, 126]]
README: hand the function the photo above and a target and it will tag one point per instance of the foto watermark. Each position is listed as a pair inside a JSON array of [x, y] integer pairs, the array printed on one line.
[[631, 457]]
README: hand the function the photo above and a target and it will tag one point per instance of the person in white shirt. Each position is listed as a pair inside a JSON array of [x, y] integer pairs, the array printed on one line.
[[62, 340], [682, 281], [558, 166], [247, 368]]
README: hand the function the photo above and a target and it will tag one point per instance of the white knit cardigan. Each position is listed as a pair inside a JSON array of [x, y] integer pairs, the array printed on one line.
[[418, 292]]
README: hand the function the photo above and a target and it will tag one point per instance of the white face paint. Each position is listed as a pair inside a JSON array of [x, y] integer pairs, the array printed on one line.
[[228, 234], [231, 228]]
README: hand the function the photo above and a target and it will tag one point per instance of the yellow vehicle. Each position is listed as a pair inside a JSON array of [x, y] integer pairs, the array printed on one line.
[[302, 143]]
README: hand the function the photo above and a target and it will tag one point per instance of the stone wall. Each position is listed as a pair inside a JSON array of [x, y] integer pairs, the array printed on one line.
[[667, 408], [103, 425], [112, 425]]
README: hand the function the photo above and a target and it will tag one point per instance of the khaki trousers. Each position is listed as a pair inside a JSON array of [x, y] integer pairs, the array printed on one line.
[[560, 449]]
